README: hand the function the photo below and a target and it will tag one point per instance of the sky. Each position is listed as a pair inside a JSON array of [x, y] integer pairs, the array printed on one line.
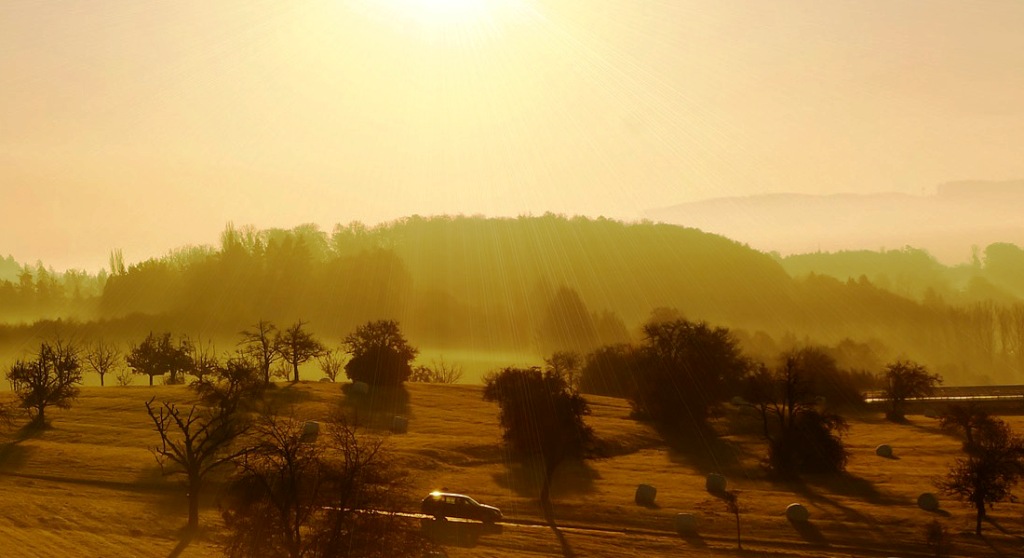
[[147, 125]]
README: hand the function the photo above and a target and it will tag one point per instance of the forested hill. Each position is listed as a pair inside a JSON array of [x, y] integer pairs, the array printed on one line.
[[531, 281], [533, 284]]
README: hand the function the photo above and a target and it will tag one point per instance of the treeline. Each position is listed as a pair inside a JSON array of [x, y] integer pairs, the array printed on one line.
[[993, 274], [541, 284], [33, 292]]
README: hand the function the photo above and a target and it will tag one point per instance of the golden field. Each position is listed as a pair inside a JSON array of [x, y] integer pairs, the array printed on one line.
[[89, 486]]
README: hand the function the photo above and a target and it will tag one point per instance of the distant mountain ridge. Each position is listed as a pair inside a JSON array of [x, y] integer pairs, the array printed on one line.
[[948, 223]]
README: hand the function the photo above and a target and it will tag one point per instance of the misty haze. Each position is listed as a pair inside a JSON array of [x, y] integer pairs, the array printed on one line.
[[511, 278]]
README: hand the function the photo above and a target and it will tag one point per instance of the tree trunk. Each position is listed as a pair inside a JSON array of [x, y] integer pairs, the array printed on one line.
[[151, 380], [545, 492], [101, 380], [295, 366], [980, 506], [739, 543], [193, 504]]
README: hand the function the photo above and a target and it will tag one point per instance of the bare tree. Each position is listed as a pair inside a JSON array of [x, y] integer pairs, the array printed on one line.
[[993, 465], [297, 346], [439, 372], [567, 364], [332, 363], [964, 417], [732, 504], [298, 499], [52, 379], [124, 377], [103, 357], [801, 438], [258, 342], [203, 357], [193, 442]]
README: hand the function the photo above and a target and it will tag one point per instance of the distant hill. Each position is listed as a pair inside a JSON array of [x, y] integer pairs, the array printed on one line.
[[948, 223], [534, 285]]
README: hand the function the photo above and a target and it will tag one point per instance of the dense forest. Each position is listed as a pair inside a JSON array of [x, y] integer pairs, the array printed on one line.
[[540, 284]]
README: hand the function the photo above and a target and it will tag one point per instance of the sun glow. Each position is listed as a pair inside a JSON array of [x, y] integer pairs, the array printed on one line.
[[451, 15]]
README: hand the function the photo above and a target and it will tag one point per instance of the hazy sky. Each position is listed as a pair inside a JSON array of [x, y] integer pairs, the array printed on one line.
[[146, 124]]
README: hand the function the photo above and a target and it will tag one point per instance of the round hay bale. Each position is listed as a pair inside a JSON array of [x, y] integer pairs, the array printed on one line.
[[715, 483], [399, 424], [325, 380], [931, 413], [686, 523], [928, 502], [360, 388], [645, 494], [797, 513], [310, 431], [884, 450], [738, 401]]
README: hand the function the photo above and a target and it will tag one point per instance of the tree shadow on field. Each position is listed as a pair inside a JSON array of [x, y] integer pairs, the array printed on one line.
[[376, 407], [13, 456], [702, 448], [694, 540], [809, 532], [526, 478], [933, 429], [816, 489], [845, 484], [286, 396], [186, 539]]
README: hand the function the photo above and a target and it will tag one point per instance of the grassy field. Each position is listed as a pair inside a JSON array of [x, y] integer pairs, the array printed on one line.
[[88, 486]]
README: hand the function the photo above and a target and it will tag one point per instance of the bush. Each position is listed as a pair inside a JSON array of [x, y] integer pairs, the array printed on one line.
[[813, 445]]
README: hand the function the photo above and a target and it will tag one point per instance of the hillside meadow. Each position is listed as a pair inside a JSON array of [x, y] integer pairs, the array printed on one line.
[[89, 486]]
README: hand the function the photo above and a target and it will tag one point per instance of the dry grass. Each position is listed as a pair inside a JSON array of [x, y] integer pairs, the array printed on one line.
[[88, 486]]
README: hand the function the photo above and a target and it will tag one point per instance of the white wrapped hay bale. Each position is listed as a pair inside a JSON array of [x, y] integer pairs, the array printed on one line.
[[928, 502], [715, 483], [310, 431], [399, 424], [645, 494], [360, 388], [884, 450], [686, 523], [797, 513]]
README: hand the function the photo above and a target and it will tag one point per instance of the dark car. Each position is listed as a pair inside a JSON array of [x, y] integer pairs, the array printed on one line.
[[446, 504]]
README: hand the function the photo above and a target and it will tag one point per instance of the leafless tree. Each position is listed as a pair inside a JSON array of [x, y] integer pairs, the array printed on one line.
[[103, 357], [298, 499], [566, 364], [332, 362], [993, 465], [124, 377], [52, 379], [193, 442], [297, 346], [258, 342], [204, 358], [439, 372]]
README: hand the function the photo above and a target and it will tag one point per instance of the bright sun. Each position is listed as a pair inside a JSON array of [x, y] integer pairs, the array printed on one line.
[[450, 14]]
